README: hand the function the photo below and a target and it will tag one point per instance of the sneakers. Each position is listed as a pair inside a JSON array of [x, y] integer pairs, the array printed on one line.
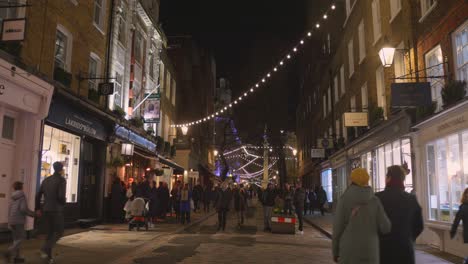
[[301, 232]]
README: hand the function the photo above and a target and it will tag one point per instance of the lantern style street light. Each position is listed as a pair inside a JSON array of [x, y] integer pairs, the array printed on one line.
[[184, 130], [386, 54], [215, 152], [127, 149]]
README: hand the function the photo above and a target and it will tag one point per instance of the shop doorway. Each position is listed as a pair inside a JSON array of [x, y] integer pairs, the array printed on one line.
[[7, 152], [90, 181]]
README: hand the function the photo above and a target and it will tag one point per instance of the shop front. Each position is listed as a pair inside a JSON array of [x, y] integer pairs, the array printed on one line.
[[338, 163], [386, 145], [442, 157], [24, 103], [77, 138], [326, 180]]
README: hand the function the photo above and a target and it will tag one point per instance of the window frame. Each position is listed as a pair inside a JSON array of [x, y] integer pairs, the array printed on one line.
[[101, 16], [118, 87], [426, 10], [376, 20], [343, 84], [455, 48], [394, 10], [362, 41], [93, 57], [351, 57], [439, 82], [68, 49], [122, 27], [364, 97]]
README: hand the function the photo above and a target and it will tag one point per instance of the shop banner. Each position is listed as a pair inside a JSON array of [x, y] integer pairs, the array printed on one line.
[[134, 138], [151, 113], [356, 119], [411, 94], [76, 120], [317, 153]]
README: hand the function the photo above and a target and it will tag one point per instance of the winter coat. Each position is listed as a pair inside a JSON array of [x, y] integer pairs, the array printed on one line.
[[185, 201], [321, 196], [53, 188], [153, 202], [117, 200], [163, 198], [197, 192], [288, 194], [269, 197], [223, 200], [358, 220], [240, 200], [18, 209], [143, 190], [299, 197], [405, 214], [462, 215]]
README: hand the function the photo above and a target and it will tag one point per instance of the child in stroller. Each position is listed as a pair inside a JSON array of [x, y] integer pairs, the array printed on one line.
[[139, 212]]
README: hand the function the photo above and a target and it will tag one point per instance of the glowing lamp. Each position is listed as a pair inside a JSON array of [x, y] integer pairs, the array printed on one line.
[[386, 55], [184, 130], [127, 149]]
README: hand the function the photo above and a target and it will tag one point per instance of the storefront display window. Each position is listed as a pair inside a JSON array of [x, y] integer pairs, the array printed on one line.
[[326, 178], [447, 172], [64, 147], [341, 179]]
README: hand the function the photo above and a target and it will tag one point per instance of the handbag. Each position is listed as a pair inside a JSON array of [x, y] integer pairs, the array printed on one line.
[[192, 205]]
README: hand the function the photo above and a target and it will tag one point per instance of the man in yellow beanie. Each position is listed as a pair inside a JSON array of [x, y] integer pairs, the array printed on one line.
[[358, 220]]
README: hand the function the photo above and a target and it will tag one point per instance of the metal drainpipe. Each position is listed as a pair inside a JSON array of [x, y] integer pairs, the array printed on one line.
[[109, 47]]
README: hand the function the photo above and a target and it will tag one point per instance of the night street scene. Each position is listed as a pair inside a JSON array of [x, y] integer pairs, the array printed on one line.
[[221, 131]]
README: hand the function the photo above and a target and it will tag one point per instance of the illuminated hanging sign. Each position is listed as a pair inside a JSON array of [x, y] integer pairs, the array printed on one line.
[[151, 112], [356, 119], [13, 29]]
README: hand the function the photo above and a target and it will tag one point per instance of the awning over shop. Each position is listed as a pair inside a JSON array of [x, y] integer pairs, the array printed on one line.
[[178, 169], [133, 137]]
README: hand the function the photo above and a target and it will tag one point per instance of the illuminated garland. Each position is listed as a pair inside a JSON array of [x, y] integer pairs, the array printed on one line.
[[262, 80]]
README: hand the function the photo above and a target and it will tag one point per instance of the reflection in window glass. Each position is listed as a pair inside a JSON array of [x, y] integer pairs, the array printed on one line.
[[64, 147], [465, 157], [454, 172], [381, 169], [396, 153], [406, 158], [444, 202], [326, 178], [432, 182]]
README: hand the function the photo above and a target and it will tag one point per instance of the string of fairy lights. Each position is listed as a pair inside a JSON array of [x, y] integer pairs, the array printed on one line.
[[262, 80]]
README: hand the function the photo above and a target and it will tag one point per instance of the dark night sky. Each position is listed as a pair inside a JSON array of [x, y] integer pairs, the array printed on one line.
[[247, 37]]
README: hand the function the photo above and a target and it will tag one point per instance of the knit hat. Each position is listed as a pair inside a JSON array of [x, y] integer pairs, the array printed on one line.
[[360, 177]]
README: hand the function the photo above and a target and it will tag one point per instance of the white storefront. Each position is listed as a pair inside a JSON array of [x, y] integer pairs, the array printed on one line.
[[441, 147], [24, 103]]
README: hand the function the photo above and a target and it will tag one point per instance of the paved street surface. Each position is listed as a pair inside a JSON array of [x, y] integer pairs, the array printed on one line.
[[199, 243]]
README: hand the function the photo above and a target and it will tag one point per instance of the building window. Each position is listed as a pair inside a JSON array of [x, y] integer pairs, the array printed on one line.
[[167, 86], [173, 88], [8, 127], [99, 13], [151, 65], [399, 64], [138, 49], [94, 71], [329, 99], [336, 88], [352, 103], [376, 20], [343, 88], [362, 41], [427, 6], [61, 43], [118, 90], [434, 68], [460, 37], [364, 98], [326, 180], [395, 8], [447, 173], [351, 57], [8, 13], [337, 128], [122, 26], [64, 147], [381, 96], [349, 6]]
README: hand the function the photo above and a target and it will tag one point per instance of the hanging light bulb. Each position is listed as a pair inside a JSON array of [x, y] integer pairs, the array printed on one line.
[[251, 90], [325, 16], [263, 80], [302, 42], [309, 34], [268, 75], [275, 69], [317, 25], [294, 49], [289, 56], [240, 98], [256, 85], [333, 7], [281, 62], [245, 94], [235, 102]]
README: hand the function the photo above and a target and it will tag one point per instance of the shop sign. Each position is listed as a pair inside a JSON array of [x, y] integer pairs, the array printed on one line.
[[325, 143], [451, 123], [133, 137], [356, 119], [317, 153], [106, 88], [13, 29], [64, 115], [411, 94], [193, 174], [151, 113]]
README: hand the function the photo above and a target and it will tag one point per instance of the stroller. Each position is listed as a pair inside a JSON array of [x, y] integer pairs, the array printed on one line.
[[139, 214]]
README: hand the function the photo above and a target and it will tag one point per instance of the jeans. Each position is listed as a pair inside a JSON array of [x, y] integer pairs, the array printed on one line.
[[267, 210], [222, 215], [185, 216], [55, 226], [240, 217], [299, 217], [19, 234]]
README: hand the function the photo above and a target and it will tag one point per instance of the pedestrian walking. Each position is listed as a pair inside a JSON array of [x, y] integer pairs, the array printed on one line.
[[116, 198], [321, 199], [197, 196], [288, 195], [185, 198], [175, 199], [240, 204], [53, 189], [223, 201], [462, 215], [206, 199], [268, 201], [358, 221], [306, 201], [405, 214], [153, 204], [164, 199], [299, 198], [17, 212]]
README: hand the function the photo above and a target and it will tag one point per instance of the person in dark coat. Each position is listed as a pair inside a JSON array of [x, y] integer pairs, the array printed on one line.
[[153, 203], [240, 204], [116, 198], [462, 215], [163, 197], [206, 199], [175, 199], [268, 201], [143, 189], [185, 196], [288, 195], [223, 202], [197, 196], [299, 197], [405, 214], [321, 199]]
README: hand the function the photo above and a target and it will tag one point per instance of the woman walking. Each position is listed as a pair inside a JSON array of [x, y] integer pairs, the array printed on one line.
[[153, 204], [462, 215], [405, 214], [359, 219], [185, 197]]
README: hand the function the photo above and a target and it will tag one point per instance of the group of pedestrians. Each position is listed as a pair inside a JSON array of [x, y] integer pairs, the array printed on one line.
[[224, 197], [381, 227]]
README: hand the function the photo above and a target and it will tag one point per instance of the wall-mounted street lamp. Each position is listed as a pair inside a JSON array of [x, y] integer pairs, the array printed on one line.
[[215, 152], [386, 54], [127, 149], [184, 130]]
